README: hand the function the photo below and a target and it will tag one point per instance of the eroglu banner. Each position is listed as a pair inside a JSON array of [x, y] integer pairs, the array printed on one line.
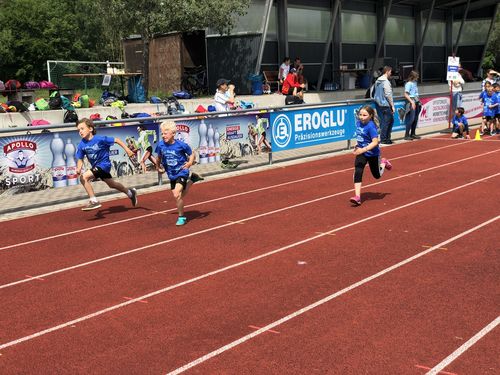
[[311, 127]]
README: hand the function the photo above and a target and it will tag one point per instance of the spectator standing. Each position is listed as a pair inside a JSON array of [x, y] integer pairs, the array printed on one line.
[[413, 106], [457, 87], [284, 69], [491, 77], [385, 105]]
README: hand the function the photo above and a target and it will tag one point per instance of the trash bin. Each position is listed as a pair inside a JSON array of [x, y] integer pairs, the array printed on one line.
[[364, 82], [256, 80]]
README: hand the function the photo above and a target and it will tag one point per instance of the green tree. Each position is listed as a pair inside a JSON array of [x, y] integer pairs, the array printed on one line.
[[147, 17], [34, 31], [492, 55]]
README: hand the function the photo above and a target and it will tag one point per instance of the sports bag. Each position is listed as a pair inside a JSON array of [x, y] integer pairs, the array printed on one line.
[[70, 116], [41, 104]]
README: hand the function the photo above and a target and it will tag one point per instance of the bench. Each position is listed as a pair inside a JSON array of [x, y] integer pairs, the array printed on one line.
[[21, 95], [271, 77]]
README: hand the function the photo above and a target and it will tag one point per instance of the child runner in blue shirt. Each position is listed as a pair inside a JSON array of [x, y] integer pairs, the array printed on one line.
[[460, 124], [176, 157], [96, 148], [367, 150]]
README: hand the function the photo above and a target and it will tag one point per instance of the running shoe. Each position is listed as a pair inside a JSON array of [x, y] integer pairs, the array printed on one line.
[[387, 163], [133, 197], [91, 206], [414, 136], [195, 177], [181, 221], [356, 200]]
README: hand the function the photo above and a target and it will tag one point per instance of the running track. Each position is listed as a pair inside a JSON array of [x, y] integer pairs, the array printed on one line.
[[275, 273]]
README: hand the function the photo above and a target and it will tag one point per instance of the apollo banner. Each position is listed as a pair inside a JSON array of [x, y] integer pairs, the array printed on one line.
[[39, 161]]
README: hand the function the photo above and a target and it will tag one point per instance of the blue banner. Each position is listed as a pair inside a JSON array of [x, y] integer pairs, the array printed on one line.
[[311, 127]]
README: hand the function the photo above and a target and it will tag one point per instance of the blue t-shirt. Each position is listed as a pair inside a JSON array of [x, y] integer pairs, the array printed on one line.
[[173, 157], [364, 135], [455, 120], [97, 151], [412, 89], [489, 100]]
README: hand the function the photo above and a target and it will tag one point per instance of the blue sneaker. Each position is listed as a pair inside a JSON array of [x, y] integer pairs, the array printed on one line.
[[181, 220]]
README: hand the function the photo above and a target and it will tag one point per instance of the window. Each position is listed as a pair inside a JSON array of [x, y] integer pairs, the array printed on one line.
[[251, 22], [308, 24], [473, 32], [399, 30], [359, 28], [435, 35]]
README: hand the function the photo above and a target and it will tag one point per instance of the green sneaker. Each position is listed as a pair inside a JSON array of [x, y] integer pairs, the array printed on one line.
[[181, 220]]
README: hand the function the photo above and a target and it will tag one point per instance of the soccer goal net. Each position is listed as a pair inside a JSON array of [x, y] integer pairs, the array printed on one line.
[[60, 73]]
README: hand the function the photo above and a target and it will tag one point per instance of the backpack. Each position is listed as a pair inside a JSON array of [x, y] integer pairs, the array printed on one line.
[[173, 106], [379, 95], [370, 92], [12, 85], [155, 100], [70, 116], [47, 85], [31, 85], [246, 105], [182, 95], [55, 101], [39, 122], [84, 100], [66, 104], [41, 104]]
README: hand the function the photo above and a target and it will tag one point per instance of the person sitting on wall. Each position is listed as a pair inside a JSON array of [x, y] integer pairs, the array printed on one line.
[[291, 85], [224, 97]]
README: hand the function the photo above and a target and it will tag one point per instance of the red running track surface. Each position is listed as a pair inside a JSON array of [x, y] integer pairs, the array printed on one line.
[[123, 290]]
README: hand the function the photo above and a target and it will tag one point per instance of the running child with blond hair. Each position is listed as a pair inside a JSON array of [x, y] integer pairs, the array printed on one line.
[[176, 157]]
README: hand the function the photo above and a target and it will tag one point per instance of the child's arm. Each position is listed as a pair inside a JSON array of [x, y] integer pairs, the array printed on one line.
[[79, 165], [190, 162], [120, 143], [372, 145]]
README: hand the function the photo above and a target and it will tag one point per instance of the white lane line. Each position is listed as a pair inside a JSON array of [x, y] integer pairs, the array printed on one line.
[[244, 262], [445, 362], [324, 300], [207, 201], [98, 260]]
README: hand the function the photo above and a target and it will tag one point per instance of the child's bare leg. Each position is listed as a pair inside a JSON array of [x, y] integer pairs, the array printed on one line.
[[179, 193], [116, 185], [357, 189], [86, 179]]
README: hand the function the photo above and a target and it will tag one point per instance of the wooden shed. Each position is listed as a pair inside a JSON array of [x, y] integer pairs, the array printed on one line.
[[169, 55]]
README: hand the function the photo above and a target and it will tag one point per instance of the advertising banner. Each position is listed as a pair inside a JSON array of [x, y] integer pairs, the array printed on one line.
[[435, 109], [310, 127], [225, 137], [40, 161]]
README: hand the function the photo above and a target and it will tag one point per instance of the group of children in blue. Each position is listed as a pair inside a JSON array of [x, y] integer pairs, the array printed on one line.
[[173, 156], [176, 157]]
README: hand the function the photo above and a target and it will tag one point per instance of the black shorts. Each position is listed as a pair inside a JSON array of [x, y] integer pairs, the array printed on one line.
[[180, 180], [99, 173], [149, 149], [487, 118]]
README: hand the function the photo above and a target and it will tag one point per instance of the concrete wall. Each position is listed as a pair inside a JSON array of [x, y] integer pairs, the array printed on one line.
[[13, 120]]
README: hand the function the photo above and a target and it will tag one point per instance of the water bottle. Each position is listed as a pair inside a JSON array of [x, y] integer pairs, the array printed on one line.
[[69, 151], [58, 163], [203, 146], [217, 144], [211, 144]]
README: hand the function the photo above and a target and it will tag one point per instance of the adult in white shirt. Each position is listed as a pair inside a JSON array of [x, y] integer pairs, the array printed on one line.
[[224, 97], [457, 87]]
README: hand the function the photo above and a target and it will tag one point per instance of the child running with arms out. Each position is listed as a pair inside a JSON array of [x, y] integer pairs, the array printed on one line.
[[367, 151], [96, 148], [176, 157], [460, 124]]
